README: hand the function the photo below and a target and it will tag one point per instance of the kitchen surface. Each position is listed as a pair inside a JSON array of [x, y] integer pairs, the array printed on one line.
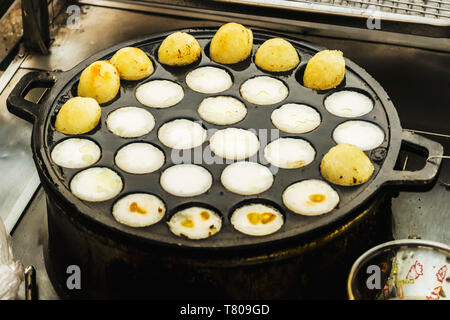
[[409, 56]]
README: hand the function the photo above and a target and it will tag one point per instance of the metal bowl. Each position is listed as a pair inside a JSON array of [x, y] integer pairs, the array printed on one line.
[[402, 270]]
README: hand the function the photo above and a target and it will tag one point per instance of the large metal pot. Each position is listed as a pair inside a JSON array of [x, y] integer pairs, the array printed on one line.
[[118, 261]]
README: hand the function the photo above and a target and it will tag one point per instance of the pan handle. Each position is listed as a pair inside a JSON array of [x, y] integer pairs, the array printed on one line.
[[16, 102], [428, 172]]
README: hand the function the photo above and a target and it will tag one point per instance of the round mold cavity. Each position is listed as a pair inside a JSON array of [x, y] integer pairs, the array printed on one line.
[[196, 121], [215, 97], [238, 154], [275, 74], [164, 105], [211, 67], [76, 137], [90, 199], [96, 129], [138, 109], [140, 142], [121, 197], [252, 201], [299, 77], [239, 66], [296, 138], [191, 205], [331, 190], [177, 69], [285, 106], [358, 136], [247, 178], [127, 84], [107, 103], [71, 93], [258, 102], [177, 187], [350, 89]]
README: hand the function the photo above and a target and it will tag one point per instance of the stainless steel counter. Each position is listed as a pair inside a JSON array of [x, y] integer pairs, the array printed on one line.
[[416, 79], [18, 175]]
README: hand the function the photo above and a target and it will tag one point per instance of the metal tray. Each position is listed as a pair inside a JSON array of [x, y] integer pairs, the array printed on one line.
[[56, 179]]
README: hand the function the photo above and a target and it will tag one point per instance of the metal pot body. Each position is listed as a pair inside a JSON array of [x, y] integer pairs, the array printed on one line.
[[113, 268]]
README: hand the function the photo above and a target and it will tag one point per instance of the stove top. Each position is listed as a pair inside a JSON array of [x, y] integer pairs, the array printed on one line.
[[416, 80]]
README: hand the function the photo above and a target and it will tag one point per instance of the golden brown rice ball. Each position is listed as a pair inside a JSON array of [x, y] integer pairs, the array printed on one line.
[[179, 49], [232, 43], [276, 55], [100, 80], [346, 165], [132, 63], [325, 70], [78, 115]]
